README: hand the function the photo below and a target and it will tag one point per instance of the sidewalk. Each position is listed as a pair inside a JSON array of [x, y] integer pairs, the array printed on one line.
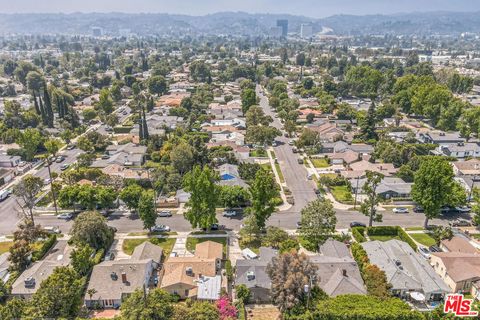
[[285, 206]]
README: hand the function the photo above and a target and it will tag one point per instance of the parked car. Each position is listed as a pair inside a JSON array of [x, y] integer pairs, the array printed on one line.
[[229, 213], [434, 249], [47, 181], [165, 213], [70, 147], [65, 216], [105, 156], [213, 227], [291, 142], [299, 225], [463, 209], [109, 256], [424, 252], [294, 150], [52, 230], [317, 191], [446, 209], [309, 176], [300, 161], [161, 228], [400, 210], [64, 166], [60, 159], [4, 194], [274, 143], [357, 224], [418, 209], [460, 223]]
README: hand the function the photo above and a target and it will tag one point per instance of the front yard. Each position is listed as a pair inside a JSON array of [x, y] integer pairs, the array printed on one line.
[[320, 162], [5, 245], [341, 193], [192, 242], [165, 243], [423, 238]]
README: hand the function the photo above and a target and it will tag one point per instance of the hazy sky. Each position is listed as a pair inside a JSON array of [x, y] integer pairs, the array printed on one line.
[[312, 8]]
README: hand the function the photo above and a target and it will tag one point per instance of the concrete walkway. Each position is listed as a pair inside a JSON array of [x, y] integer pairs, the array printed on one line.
[[180, 246], [285, 206], [234, 251]]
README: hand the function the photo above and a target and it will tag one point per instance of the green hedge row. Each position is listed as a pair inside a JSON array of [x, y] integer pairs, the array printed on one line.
[[47, 244], [391, 231], [359, 234], [121, 129], [382, 231]]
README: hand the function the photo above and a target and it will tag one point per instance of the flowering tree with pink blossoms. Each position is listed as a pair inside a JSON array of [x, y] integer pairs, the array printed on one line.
[[226, 309]]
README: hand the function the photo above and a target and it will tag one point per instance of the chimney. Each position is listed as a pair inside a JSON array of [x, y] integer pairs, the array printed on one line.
[[124, 277], [344, 272]]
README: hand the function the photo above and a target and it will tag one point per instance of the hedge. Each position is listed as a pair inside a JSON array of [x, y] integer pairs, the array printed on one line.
[[98, 256], [382, 231], [229, 270], [392, 231], [360, 255], [405, 237], [359, 234], [47, 245], [121, 129]]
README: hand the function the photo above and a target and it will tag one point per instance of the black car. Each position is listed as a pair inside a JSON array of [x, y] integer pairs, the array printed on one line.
[[434, 249], [213, 227], [357, 224], [418, 209]]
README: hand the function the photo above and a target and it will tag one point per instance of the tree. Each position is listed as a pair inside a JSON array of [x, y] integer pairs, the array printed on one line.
[[147, 210], [242, 293], [369, 205], [13, 309], [105, 196], [157, 85], [274, 237], [131, 195], [105, 102], [20, 253], [27, 190], [476, 207], [262, 191], [289, 274], [363, 81], [58, 296], [442, 233], [203, 197], [369, 123], [318, 222], [434, 186], [181, 157], [30, 140], [376, 281], [157, 305], [249, 98], [91, 228], [225, 308], [81, 260], [232, 196]]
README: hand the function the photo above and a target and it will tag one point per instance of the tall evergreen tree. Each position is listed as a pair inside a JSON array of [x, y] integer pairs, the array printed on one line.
[[48, 107]]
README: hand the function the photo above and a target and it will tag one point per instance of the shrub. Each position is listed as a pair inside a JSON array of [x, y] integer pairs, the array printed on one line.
[[360, 255], [382, 231], [242, 293], [289, 244], [121, 129], [359, 234], [405, 237], [229, 270], [47, 245], [98, 256]]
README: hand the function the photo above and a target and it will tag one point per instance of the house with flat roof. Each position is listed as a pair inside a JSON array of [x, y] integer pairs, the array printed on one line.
[[337, 273], [252, 273], [406, 271]]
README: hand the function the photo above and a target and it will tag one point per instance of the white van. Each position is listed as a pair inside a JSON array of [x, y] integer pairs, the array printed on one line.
[[4, 194]]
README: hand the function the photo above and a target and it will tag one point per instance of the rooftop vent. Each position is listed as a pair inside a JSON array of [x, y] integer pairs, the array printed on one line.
[[250, 275], [29, 282], [114, 276], [189, 271]]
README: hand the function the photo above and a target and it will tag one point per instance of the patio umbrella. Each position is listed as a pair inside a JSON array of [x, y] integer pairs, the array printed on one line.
[[417, 296]]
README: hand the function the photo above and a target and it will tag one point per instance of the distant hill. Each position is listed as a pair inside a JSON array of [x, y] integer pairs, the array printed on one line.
[[237, 23]]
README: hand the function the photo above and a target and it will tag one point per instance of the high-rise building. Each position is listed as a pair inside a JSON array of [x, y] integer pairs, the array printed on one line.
[[284, 25], [306, 31]]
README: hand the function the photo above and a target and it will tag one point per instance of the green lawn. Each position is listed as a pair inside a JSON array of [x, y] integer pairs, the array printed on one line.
[[414, 229], [384, 238], [192, 242], [320, 163], [4, 246], [423, 238], [146, 233], [261, 153], [272, 153], [341, 193], [166, 244], [266, 166], [279, 172], [475, 236]]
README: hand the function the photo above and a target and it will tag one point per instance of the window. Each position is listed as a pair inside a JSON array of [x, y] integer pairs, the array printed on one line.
[[186, 293]]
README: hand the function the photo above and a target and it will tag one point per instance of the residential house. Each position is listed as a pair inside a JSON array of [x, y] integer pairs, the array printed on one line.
[[389, 187], [337, 272], [460, 150], [114, 280], [440, 137], [329, 132], [125, 173], [458, 244], [359, 168], [120, 158], [466, 168], [196, 277], [460, 270], [252, 273], [241, 152], [344, 158], [7, 161], [406, 271], [4, 267], [29, 281], [229, 176]]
